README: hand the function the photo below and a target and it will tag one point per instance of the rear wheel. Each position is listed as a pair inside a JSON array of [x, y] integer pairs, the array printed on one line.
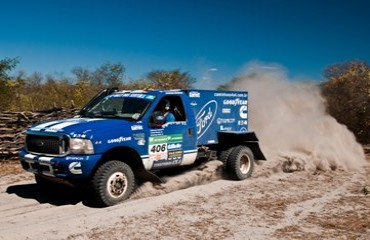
[[240, 163], [223, 155], [113, 182]]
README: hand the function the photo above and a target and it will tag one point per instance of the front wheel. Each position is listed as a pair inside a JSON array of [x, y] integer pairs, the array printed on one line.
[[240, 163], [113, 182]]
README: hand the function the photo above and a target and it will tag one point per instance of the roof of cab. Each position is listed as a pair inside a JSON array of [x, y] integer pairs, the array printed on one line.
[[152, 91]]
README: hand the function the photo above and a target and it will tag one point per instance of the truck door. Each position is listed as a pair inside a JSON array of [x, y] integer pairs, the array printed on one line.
[[172, 143]]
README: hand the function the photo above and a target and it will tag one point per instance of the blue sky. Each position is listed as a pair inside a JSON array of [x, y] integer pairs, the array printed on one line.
[[208, 38]]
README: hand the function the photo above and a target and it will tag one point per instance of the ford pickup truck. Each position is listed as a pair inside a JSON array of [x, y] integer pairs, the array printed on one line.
[[122, 137]]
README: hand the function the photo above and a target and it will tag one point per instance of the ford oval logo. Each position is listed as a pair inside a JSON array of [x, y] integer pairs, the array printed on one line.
[[40, 143], [205, 117]]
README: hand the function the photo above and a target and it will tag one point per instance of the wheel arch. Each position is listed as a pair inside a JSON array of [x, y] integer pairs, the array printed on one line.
[[132, 158], [227, 140], [124, 154]]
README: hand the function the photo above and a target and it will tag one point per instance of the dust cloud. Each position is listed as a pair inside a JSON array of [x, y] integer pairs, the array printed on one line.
[[206, 172], [295, 132], [291, 122]]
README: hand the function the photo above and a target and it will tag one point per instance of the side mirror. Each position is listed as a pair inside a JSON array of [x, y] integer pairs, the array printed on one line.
[[157, 119]]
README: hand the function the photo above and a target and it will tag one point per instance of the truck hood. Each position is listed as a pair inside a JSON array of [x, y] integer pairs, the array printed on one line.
[[86, 127]]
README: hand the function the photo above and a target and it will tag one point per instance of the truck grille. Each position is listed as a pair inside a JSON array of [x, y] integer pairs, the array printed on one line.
[[49, 145]]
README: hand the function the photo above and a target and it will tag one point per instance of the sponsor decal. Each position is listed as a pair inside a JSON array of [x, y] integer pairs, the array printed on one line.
[[225, 120], [242, 122], [174, 146], [243, 111], [150, 97], [226, 110], [193, 103], [194, 94], [156, 132], [205, 117], [138, 136], [158, 149], [137, 95], [178, 123], [174, 93], [166, 163], [231, 94], [136, 127], [223, 128], [75, 167], [211, 141], [78, 135], [45, 160], [235, 102], [175, 155], [119, 140], [158, 157], [141, 142], [133, 95], [74, 158], [243, 129]]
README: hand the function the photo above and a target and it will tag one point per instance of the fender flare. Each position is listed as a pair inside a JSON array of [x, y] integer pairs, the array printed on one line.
[[249, 139]]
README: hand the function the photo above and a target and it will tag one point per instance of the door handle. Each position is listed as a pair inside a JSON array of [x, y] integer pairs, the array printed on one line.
[[190, 132]]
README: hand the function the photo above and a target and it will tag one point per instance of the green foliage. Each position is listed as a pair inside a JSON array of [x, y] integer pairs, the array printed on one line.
[[6, 65], [7, 86], [174, 79], [347, 91], [108, 74], [39, 92], [138, 84]]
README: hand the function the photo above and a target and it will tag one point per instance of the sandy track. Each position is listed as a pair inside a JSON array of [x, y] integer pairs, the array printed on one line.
[[320, 199], [298, 205]]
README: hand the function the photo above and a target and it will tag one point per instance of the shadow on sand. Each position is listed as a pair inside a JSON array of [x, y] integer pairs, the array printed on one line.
[[58, 196]]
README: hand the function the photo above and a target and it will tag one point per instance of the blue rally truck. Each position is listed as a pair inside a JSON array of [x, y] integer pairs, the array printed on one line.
[[122, 137]]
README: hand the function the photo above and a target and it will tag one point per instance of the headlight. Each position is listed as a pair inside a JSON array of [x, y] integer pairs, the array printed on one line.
[[81, 146]]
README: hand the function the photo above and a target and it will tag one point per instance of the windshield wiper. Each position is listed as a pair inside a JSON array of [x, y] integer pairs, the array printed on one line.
[[105, 115]]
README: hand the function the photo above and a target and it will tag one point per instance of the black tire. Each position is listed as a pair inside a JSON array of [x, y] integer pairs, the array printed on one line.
[[223, 155], [240, 163], [113, 182]]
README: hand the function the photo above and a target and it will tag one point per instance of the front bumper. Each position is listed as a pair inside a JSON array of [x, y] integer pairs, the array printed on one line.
[[67, 167]]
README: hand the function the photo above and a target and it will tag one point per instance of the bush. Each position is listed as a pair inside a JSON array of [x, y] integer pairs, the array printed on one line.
[[347, 91]]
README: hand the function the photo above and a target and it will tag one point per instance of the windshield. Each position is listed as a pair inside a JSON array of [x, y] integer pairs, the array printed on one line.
[[120, 107]]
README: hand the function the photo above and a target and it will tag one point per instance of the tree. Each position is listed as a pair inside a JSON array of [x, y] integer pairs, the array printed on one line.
[[6, 65], [170, 79], [347, 91], [35, 79], [109, 74], [82, 74], [7, 86]]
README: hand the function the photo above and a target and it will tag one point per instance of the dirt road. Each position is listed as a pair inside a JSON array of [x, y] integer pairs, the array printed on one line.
[[278, 205]]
